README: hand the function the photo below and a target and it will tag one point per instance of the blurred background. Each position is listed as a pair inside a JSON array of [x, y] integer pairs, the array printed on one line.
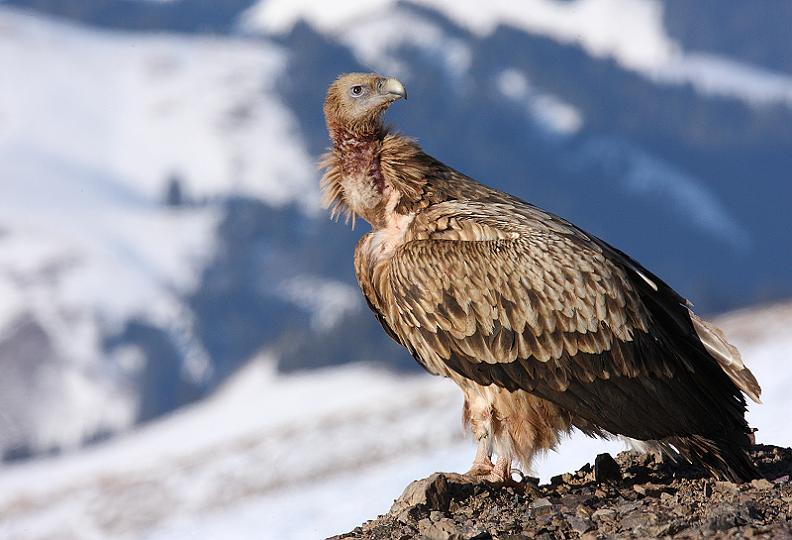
[[183, 350]]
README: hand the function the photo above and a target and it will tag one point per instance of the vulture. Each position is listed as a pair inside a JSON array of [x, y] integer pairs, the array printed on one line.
[[543, 326]]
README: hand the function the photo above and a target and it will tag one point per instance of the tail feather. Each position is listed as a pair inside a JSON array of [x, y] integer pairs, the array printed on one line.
[[727, 356], [725, 460]]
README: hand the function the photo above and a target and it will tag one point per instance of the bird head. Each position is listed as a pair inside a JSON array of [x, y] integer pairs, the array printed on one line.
[[355, 102]]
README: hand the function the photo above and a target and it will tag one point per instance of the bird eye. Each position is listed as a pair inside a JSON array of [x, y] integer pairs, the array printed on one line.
[[357, 90]]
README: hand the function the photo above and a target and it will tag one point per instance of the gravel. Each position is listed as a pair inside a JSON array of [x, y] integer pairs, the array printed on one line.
[[632, 496]]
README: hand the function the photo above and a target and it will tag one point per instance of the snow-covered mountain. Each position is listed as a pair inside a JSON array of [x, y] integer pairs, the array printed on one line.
[[636, 39], [94, 130], [305, 455], [159, 224]]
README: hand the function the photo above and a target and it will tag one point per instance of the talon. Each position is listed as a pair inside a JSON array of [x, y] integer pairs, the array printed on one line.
[[519, 472], [500, 473], [507, 481], [480, 470]]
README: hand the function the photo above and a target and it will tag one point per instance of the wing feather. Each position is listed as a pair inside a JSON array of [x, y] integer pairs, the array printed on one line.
[[507, 295]]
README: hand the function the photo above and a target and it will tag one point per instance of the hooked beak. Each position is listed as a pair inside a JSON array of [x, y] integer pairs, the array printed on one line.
[[392, 88]]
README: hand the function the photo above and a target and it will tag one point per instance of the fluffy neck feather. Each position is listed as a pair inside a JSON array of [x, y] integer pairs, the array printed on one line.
[[353, 183]]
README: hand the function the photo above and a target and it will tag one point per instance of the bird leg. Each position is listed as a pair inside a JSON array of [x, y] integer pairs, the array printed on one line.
[[501, 472], [482, 463]]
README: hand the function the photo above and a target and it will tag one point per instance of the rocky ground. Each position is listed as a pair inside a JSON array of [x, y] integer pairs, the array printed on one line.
[[633, 496]]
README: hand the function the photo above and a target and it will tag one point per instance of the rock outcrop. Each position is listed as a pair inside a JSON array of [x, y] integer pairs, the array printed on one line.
[[633, 496]]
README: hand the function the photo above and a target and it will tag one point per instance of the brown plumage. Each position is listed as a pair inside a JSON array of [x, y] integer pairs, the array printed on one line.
[[543, 326]]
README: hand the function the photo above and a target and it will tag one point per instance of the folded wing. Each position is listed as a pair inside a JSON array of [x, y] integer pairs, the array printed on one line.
[[507, 294]]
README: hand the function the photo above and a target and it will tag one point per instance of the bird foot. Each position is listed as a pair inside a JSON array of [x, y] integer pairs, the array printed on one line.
[[482, 463], [500, 473], [481, 469], [500, 479]]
